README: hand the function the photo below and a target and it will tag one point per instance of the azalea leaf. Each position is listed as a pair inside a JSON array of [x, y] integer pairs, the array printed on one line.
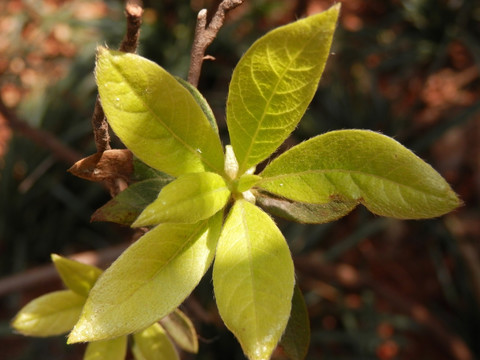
[[201, 101], [155, 116], [78, 277], [142, 171], [128, 205], [153, 344], [115, 349], [362, 166], [52, 314], [296, 339], [181, 330], [188, 199], [274, 82], [149, 280], [253, 279], [304, 212]]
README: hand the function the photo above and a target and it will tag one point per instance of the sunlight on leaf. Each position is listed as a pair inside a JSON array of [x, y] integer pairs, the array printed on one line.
[[253, 279], [78, 277], [274, 82], [51, 314], [363, 166], [188, 199], [154, 344], [149, 280], [114, 349], [155, 116]]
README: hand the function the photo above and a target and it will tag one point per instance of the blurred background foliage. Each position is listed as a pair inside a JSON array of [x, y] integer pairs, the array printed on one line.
[[375, 288]]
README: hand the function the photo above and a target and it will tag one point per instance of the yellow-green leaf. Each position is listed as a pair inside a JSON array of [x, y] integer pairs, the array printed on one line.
[[78, 277], [49, 315], [274, 82], [181, 330], [153, 344], [188, 199], [253, 278], [155, 116], [149, 280], [362, 166], [114, 349]]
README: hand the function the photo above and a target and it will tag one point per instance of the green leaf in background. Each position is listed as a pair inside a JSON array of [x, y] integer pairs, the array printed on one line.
[[153, 344], [181, 330], [296, 339], [49, 315], [303, 212], [114, 349], [201, 101], [188, 199], [253, 278], [274, 82], [155, 116], [362, 166], [78, 277], [128, 205], [149, 280], [142, 171]]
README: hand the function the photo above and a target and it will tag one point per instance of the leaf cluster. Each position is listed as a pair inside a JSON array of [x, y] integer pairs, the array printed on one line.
[[206, 205]]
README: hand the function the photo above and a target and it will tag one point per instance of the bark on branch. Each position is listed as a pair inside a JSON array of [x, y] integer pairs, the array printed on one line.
[[133, 12], [205, 34]]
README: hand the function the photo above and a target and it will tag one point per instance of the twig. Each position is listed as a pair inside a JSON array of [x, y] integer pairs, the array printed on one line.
[[348, 277], [204, 35], [133, 12], [40, 137], [45, 274]]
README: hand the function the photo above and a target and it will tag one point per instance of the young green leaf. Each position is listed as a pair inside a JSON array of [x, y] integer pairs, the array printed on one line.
[[201, 101], [154, 344], [52, 314], [128, 205], [114, 349], [155, 116], [142, 171], [149, 280], [362, 166], [253, 279], [274, 82], [296, 339], [304, 212], [246, 181], [78, 277], [188, 199], [181, 330]]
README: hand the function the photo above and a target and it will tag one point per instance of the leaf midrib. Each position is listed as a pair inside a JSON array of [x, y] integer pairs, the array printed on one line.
[[251, 277], [349, 172], [273, 93]]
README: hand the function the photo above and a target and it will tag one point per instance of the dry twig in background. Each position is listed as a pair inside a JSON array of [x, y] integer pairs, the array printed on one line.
[[204, 35], [40, 137]]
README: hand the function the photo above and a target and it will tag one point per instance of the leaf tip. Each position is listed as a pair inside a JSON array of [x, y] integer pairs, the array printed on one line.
[[80, 333]]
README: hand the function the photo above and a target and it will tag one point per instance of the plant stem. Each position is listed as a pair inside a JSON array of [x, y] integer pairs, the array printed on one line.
[[204, 36]]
